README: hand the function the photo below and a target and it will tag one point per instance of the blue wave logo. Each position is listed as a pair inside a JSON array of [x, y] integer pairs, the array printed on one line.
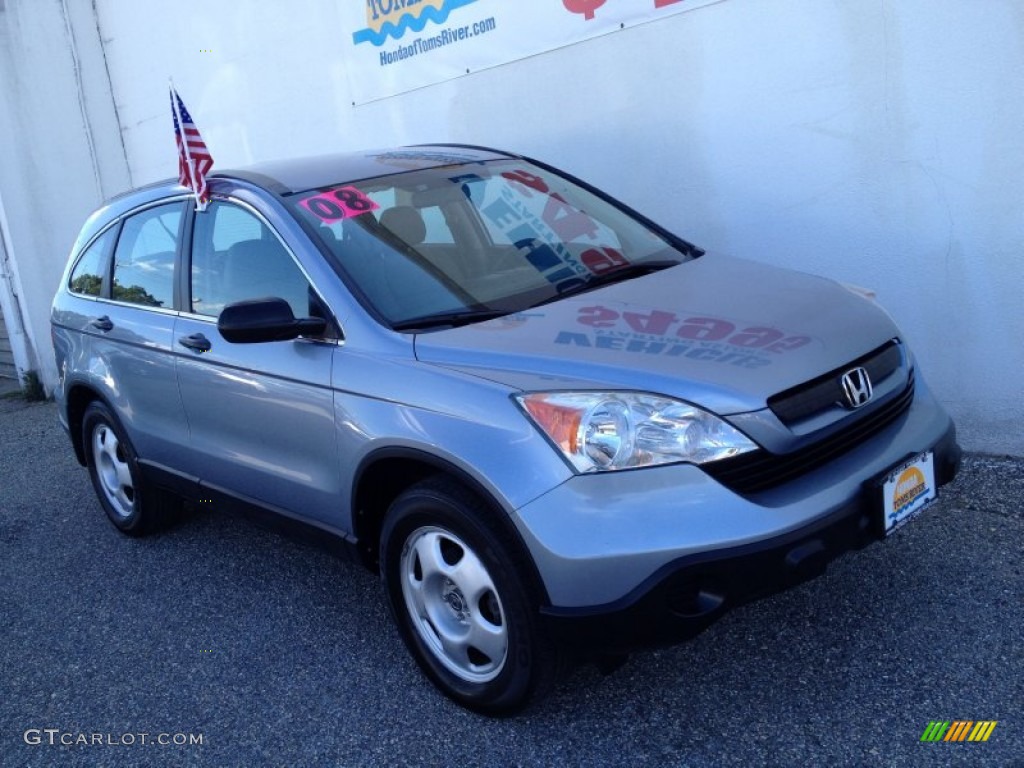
[[428, 14]]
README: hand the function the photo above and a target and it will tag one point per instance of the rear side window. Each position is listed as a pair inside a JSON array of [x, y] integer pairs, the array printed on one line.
[[87, 276], [144, 258], [236, 257]]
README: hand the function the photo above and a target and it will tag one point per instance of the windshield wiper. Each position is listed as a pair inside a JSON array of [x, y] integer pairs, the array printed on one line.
[[615, 276], [450, 319]]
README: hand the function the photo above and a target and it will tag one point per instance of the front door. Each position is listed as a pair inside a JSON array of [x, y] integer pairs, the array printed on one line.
[[260, 416]]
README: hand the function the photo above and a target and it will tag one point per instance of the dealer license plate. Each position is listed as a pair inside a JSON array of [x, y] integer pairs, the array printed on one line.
[[907, 490]]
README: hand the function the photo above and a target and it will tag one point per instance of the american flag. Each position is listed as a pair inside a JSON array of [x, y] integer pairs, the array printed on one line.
[[192, 149]]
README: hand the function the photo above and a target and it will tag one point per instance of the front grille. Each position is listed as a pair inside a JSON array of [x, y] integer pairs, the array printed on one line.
[[760, 470], [820, 394]]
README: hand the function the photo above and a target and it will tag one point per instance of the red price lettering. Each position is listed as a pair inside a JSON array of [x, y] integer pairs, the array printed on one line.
[[337, 204], [586, 7], [656, 322], [705, 329], [603, 260], [568, 222], [598, 317], [524, 182], [756, 337], [793, 342]]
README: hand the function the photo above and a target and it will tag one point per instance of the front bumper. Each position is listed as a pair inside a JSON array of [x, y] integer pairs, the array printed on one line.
[[685, 596], [655, 555]]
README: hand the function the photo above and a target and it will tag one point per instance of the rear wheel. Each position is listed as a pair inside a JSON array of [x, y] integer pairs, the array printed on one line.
[[460, 600], [132, 505]]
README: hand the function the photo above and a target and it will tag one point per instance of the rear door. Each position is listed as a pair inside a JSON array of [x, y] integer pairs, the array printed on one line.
[[260, 416], [129, 328]]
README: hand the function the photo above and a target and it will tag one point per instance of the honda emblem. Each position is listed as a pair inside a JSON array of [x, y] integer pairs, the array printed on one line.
[[857, 387]]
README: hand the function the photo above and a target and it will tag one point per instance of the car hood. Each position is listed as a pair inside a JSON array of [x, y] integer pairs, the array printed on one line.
[[720, 332]]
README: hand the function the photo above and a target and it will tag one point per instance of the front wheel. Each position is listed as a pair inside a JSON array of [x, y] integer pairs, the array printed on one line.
[[458, 596]]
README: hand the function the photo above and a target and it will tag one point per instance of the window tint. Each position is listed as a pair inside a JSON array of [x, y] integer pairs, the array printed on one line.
[[236, 257], [144, 258], [554, 219], [87, 276], [496, 236], [436, 226]]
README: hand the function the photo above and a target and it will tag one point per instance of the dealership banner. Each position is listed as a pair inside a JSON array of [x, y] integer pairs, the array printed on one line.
[[399, 45]]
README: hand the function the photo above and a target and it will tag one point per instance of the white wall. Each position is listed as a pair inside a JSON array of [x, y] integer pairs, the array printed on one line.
[[874, 141], [62, 156]]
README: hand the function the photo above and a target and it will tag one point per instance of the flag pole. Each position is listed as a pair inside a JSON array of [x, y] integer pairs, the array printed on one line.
[[200, 203]]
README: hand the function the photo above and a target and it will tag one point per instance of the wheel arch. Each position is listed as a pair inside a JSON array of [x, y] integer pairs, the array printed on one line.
[[386, 473], [77, 400]]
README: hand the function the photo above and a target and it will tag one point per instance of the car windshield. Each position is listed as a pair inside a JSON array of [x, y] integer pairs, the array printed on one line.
[[457, 244]]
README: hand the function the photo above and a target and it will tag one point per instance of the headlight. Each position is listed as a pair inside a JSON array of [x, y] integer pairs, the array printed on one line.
[[599, 431]]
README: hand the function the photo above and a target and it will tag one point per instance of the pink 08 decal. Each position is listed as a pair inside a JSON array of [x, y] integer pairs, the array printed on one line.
[[337, 204]]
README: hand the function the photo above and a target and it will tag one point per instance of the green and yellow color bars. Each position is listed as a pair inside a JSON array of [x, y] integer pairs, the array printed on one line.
[[959, 730]]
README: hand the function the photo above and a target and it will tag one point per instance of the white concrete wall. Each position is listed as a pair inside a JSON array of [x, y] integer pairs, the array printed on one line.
[[61, 157], [875, 141]]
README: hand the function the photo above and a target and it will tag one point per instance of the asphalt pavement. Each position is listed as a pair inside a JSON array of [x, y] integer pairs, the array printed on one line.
[[229, 645]]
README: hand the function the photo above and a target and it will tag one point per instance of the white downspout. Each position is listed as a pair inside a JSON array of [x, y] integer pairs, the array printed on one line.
[[21, 345]]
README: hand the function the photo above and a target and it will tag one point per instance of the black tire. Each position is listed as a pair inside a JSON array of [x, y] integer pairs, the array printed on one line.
[[448, 574], [132, 505]]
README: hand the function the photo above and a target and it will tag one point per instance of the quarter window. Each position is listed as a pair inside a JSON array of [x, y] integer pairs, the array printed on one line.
[[87, 276], [236, 257], [144, 258]]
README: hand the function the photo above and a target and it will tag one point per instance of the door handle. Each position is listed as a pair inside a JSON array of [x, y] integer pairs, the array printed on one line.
[[102, 323], [197, 342]]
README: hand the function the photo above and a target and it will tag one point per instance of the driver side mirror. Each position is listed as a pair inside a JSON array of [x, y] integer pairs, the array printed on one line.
[[270, 319]]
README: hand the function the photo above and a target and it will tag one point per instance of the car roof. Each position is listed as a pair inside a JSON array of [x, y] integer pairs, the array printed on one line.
[[287, 176]]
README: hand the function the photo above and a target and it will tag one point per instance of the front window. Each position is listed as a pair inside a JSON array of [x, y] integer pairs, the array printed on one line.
[[434, 247], [236, 257], [144, 257]]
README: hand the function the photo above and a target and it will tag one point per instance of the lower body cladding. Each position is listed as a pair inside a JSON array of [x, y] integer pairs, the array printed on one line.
[[654, 556]]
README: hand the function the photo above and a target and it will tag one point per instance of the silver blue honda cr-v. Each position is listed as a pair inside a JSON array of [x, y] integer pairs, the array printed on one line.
[[551, 425]]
